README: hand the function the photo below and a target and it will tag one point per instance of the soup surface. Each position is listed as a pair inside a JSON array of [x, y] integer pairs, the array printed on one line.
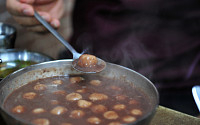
[[78, 100]]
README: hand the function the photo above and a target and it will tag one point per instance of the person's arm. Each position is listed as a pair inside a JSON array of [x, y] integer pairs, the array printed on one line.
[[23, 12]]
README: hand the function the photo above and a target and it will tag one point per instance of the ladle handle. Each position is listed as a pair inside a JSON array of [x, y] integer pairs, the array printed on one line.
[[55, 33]]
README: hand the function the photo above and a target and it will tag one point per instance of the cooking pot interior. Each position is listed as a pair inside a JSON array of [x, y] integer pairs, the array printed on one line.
[[63, 67]]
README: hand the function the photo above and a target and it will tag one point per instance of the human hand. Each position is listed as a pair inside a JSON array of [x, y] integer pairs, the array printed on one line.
[[23, 12]]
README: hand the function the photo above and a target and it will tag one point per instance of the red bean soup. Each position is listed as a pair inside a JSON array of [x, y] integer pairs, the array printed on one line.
[[78, 100]]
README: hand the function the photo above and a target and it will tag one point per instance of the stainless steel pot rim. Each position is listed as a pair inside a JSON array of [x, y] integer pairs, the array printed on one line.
[[18, 54], [18, 72], [21, 50]]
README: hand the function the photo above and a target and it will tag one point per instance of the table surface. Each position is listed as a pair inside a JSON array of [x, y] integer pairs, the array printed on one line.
[[166, 116]]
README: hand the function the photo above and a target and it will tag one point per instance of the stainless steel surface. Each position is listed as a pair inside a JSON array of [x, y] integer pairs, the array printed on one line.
[[7, 36], [64, 67], [75, 54], [23, 55], [10, 56], [196, 95]]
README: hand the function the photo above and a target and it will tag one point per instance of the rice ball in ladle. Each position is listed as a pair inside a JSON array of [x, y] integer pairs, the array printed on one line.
[[89, 64]]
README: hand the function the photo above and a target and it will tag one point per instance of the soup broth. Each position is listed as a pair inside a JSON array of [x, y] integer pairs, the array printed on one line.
[[78, 100]]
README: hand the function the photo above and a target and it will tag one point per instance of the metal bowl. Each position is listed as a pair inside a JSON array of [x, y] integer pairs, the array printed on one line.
[[64, 67], [13, 59], [7, 36]]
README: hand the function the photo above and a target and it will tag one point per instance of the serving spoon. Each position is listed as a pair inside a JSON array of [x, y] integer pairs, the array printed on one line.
[[98, 67]]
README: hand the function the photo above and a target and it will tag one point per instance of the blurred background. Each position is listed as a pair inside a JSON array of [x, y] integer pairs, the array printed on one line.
[[166, 47]]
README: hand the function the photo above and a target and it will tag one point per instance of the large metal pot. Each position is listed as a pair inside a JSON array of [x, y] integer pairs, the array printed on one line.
[[63, 67]]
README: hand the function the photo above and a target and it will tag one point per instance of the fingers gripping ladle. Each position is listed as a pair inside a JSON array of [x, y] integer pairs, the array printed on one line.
[[82, 62]]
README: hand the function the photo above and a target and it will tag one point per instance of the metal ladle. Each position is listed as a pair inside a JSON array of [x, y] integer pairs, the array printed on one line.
[[75, 54]]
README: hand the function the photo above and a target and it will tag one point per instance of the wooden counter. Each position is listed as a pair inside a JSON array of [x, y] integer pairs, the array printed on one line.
[[166, 116]]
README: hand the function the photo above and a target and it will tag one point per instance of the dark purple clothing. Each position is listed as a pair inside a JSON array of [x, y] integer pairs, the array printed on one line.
[[158, 38]]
